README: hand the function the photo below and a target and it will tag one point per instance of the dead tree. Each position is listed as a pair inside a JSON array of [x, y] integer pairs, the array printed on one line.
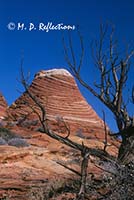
[[84, 150], [113, 73]]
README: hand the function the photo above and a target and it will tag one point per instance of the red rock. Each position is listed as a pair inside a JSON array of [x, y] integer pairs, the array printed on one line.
[[28, 170], [3, 107], [57, 91]]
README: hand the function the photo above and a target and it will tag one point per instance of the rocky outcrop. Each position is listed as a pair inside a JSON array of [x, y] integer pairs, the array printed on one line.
[[34, 172], [57, 91], [3, 107]]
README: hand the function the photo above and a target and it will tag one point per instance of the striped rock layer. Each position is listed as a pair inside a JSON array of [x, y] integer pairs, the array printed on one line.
[[58, 92], [31, 172]]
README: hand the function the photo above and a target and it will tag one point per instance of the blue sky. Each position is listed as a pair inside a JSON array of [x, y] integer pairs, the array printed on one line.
[[43, 50]]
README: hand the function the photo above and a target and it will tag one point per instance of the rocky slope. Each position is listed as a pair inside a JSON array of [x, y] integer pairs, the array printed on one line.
[[3, 107], [33, 172]]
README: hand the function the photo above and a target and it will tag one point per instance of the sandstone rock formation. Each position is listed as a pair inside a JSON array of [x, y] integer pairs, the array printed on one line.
[[3, 106], [29, 173], [58, 93]]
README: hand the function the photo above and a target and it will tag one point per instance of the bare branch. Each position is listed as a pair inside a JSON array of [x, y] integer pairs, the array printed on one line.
[[82, 53], [63, 126], [72, 51], [105, 131], [69, 168], [133, 94], [113, 72]]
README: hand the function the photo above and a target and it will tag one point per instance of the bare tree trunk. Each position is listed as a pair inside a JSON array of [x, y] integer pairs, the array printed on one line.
[[84, 166], [126, 150], [113, 70]]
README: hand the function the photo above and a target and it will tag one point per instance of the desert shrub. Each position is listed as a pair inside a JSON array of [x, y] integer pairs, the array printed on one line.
[[11, 124], [4, 198], [2, 129], [28, 123], [2, 141], [79, 133], [118, 183], [52, 189], [18, 142], [6, 134], [10, 138], [122, 184]]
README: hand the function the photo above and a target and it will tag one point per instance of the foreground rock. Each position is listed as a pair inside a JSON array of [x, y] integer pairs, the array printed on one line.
[[36, 171]]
